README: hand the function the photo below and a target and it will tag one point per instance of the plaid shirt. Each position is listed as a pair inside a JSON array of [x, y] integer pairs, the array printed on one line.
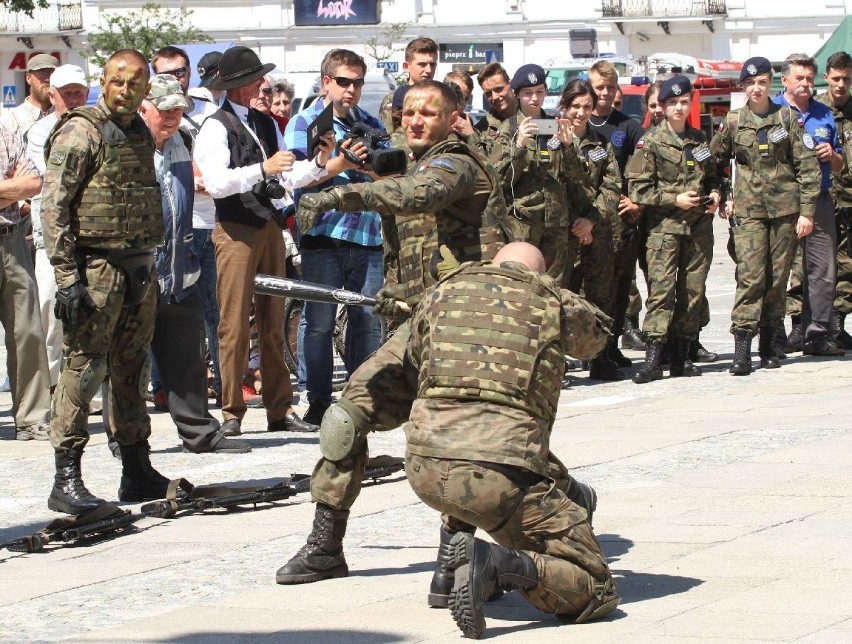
[[12, 154], [362, 228]]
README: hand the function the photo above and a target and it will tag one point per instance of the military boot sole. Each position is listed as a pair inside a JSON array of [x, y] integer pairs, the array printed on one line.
[[57, 503], [295, 572], [464, 605]]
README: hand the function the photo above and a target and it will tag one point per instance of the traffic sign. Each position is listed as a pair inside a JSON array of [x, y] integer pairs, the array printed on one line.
[[10, 93], [493, 56], [390, 65]]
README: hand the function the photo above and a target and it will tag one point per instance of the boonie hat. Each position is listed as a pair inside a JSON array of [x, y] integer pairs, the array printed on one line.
[[208, 67], [238, 67], [674, 86], [65, 75], [42, 61], [166, 93], [754, 67], [528, 76]]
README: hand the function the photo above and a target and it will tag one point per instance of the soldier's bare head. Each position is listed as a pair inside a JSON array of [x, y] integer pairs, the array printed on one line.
[[429, 110], [124, 82], [522, 253]]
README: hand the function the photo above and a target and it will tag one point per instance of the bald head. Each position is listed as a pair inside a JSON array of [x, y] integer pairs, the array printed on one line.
[[522, 253]]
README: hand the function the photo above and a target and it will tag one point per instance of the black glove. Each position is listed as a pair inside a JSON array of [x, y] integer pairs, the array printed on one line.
[[73, 304], [314, 204]]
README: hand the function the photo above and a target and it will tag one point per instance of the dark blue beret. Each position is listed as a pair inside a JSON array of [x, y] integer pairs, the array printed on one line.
[[754, 67], [528, 76], [674, 86]]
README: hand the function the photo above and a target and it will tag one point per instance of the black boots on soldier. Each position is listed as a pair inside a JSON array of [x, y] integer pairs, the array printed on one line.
[[69, 493], [322, 556]]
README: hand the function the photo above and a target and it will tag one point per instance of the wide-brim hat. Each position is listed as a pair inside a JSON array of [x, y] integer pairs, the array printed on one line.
[[239, 67]]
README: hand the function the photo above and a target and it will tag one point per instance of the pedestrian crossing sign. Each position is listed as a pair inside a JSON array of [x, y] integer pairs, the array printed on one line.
[[10, 95]]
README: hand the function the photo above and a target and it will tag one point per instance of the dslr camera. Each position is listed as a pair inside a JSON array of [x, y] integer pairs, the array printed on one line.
[[268, 187], [381, 160]]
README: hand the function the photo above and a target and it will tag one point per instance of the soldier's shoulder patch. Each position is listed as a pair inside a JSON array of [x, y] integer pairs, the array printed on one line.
[[597, 155], [640, 144], [444, 164], [57, 157], [701, 154], [808, 140], [776, 136]]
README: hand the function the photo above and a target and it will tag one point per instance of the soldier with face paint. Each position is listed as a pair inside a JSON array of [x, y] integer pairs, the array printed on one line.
[[102, 219]]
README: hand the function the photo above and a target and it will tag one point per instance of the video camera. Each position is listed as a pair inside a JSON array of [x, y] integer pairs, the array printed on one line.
[[383, 161]]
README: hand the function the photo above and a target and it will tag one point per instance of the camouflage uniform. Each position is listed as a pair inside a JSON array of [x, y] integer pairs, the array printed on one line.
[[101, 199], [478, 438], [679, 247], [594, 268], [776, 181], [541, 188], [451, 196]]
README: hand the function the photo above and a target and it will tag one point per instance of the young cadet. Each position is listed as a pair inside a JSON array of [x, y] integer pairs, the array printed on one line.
[[773, 199], [672, 176]]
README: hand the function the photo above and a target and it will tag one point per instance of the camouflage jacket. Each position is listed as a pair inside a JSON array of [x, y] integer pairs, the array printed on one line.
[[450, 196], [841, 182], [74, 155], [665, 165], [542, 187], [604, 179], [776, 174], [488, 342]]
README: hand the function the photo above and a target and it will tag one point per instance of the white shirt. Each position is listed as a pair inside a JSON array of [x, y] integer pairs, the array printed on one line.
[[35, 138], [213, 157]]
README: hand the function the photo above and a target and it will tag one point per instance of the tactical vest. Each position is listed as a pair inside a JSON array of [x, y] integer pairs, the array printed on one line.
[[421, 234], [495, 336], [247, 207], [119, 205]]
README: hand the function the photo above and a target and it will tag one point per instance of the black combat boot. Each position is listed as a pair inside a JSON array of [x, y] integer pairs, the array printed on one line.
[[681, 365], [651, 370], [632, 338], [766, 348], [442, 579], [615, 355], [481, 567], [139, 480], [697, 353], [741, 366], [841, 337], [322, 556], [780, 342], [796, 337], [69, 493], [602, 368]]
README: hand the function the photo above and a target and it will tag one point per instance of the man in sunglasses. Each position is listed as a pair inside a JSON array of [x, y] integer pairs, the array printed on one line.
[[343, 248]]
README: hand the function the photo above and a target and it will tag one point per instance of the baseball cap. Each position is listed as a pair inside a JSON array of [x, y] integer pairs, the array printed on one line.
[[65, 75], [42, 61], [208, 67], [166, 93]]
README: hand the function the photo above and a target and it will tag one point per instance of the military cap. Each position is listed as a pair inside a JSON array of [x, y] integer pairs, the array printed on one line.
[[42, 61], [754, 67], [527, 76], [399, 97], [166, 93], [673, 87], [208, 67]]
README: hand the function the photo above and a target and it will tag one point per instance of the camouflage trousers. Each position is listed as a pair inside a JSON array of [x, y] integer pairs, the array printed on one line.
[[764, 250], [626, 242], [113, 338], [677, 275], [594, 267], [535, 517]]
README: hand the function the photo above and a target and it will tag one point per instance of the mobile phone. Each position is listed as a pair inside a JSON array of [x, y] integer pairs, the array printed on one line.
[[546, 127]]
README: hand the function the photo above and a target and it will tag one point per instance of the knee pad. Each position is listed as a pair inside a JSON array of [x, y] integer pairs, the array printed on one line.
[[343, 431], [91, 379]]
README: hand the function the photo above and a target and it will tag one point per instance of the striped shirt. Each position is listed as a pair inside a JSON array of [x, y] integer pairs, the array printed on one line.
[[362, 228]]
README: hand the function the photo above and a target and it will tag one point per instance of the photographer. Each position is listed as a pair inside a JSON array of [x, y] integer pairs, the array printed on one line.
[[245, 169], [340, 249]]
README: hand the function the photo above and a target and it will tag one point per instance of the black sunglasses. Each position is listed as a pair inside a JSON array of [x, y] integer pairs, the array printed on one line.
[[180, 72], [346, 82]]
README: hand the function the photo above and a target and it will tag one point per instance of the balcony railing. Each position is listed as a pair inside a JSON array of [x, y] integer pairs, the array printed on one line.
[[62, 16], [662, 8]]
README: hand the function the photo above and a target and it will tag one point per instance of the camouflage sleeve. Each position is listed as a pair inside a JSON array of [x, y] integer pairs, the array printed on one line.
[[384, 114], [711, 177], [609, 192], [434, 185], [578, 186], [808, 172], [722, 149], [585, 328], [66, 168], [509, 159]]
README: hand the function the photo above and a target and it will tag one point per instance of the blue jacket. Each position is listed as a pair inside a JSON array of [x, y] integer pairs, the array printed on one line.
[[178, 267]]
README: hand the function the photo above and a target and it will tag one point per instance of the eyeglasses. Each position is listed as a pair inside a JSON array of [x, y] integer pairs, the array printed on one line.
[[266, 91], [346, 82], [180, 72]]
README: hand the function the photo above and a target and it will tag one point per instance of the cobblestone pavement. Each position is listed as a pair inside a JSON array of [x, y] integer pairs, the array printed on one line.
[[724, 509]]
